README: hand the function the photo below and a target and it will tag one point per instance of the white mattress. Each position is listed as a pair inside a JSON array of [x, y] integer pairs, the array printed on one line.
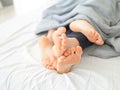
[[21, 69]]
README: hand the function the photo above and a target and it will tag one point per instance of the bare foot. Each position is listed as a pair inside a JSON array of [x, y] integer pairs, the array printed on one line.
[[87, 29], [47, 56], [73, 56], [50, 34], [60, 41]]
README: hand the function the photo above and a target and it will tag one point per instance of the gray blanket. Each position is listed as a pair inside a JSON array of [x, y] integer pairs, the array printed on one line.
[[104, 15]]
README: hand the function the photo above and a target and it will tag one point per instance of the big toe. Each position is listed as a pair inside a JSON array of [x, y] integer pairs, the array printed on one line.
[[61, 30], [99, 42]]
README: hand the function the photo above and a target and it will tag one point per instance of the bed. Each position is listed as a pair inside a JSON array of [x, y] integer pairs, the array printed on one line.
[[21, 68]]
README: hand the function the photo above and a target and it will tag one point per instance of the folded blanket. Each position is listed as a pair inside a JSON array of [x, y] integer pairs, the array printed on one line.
[[104, 15]]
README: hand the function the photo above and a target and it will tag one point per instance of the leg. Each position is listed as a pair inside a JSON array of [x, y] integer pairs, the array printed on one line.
[[65, 63], [88, 30]]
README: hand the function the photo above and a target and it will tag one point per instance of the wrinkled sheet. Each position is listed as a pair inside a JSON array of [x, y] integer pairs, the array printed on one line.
[[21, 69], [103, 15]]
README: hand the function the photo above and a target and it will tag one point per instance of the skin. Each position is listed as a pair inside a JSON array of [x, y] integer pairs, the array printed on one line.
[[88, 30], [59, 52], [65, 58]]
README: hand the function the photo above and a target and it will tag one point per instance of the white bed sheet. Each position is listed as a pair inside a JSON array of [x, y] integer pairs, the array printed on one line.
[[21, 69]]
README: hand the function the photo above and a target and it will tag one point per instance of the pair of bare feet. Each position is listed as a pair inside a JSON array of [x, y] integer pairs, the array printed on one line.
[[60, 52], [57, 51]]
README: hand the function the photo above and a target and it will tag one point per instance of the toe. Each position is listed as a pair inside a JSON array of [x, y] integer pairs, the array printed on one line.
[[78, 50], [73, 49], [51, 67], [64, 46], [99, 42], [96, 35], [64, 36], [67, 52], [61, 30]]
